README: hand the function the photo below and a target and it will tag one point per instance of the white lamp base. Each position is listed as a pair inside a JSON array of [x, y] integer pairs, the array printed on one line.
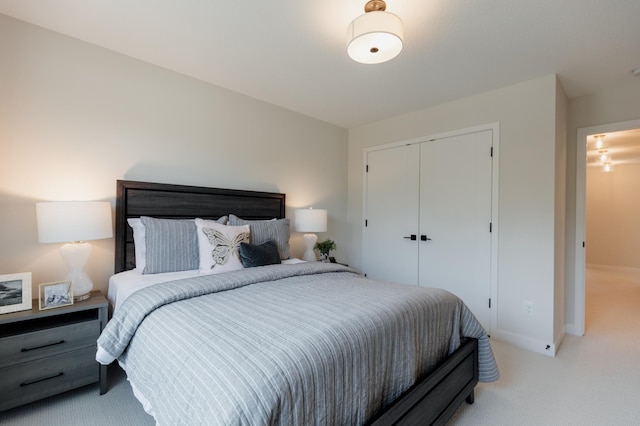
[[310, 241], [76, 255]]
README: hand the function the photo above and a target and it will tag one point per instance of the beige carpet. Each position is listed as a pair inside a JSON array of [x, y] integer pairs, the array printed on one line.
[[594, 379], [84, 407]]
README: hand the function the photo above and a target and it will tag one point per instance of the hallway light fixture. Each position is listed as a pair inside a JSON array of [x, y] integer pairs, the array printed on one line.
[[603, 152], [376, 36]]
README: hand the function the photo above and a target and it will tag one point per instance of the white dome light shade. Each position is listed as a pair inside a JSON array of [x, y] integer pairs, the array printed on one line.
[[374, 37]]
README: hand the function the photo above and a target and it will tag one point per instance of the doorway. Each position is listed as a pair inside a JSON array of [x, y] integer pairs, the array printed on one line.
[[585, 135]]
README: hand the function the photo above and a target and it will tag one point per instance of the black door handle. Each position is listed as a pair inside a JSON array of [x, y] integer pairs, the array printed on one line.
[[424, 238], [413, 237]]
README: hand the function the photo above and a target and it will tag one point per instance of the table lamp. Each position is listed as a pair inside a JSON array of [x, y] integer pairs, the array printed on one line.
[[310, 221], [74, 223]]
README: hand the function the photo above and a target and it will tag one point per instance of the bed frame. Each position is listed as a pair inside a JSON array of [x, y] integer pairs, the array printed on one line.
[[432, 401]]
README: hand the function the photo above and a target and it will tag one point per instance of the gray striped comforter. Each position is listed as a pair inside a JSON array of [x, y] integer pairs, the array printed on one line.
[[297, 344]]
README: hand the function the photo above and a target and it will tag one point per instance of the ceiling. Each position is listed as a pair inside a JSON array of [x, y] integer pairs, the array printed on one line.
[[292, 53]]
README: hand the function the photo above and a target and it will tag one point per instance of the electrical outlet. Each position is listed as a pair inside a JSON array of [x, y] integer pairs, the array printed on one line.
[[529, 307]]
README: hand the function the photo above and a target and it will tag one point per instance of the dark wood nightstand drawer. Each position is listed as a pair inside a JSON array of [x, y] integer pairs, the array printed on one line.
[[45, 352], [44, 377], [47, 342]]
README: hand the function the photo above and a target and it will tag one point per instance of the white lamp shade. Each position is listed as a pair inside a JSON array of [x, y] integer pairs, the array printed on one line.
[[311, 220], [374, 37], [68, 221]]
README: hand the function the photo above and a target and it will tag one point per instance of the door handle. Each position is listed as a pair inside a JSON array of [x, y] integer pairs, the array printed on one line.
[[424, 238], [413, 237]]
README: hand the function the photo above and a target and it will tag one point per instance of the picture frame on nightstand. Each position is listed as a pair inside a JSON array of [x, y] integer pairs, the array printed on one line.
[[15, 292], [55, 295]]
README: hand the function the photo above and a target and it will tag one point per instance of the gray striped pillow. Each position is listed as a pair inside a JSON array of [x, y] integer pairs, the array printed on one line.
[[172, 245], [262, 231]]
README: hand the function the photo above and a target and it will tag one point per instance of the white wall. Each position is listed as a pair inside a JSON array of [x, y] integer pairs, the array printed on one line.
[[527, 116], [612, 220], [76, 117], [615, 105]]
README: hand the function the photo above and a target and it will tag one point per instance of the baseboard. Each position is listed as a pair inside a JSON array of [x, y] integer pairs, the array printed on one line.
[[613, 268], [524, 342], [557, 343]]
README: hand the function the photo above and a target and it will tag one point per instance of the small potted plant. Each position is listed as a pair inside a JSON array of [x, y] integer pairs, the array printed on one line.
[[324, 247]]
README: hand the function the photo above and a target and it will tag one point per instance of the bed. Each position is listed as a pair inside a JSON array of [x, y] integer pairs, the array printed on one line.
[[284, 342]]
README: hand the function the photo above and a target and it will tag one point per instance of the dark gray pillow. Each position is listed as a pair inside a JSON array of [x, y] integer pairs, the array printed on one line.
[[262, 231], [252, 255]]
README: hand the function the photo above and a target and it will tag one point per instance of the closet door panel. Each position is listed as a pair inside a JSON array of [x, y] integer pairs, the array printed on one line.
[[455, 215], [391, 215]]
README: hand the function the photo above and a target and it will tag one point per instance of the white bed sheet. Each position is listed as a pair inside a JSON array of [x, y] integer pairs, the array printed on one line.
[[124, 284]]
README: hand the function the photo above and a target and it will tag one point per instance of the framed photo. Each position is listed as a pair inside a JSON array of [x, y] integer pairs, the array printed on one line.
[[55, 295], [15, 292]]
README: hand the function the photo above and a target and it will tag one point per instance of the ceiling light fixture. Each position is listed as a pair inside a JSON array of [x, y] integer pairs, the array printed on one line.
[[603, 155], [376, 36], [603, 152]]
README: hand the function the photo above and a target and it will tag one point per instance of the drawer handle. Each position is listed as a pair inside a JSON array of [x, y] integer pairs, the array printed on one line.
[[32, 382], [43, 346]]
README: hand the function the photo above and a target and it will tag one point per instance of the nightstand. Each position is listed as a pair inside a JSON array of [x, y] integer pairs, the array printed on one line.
[[43, 353]]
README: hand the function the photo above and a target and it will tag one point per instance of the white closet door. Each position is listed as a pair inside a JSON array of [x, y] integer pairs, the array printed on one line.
[[391, 213], [455, 215]]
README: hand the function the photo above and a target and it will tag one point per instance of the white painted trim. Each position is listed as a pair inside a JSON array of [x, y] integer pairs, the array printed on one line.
[[495, 223], [528, 343], [495, 204], [490, 126], [577, 327]]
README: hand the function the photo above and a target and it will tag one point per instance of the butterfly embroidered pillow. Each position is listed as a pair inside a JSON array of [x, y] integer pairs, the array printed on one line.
[[219, 246]]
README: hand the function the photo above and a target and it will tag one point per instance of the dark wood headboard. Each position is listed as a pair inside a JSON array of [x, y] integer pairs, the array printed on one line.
[[135, 199]]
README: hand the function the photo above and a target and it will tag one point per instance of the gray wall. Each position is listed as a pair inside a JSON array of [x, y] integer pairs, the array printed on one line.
[[76, 117]]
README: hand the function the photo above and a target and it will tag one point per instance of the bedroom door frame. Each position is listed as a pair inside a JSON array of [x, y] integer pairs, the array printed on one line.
[[581, 225], [495, 202]]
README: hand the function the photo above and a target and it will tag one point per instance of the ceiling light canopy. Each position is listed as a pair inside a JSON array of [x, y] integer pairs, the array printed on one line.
[[376, 36]]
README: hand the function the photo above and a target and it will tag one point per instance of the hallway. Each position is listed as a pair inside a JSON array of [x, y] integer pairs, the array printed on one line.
[[613, 304]]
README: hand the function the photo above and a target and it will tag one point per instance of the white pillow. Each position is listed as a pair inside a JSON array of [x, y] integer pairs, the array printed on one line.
[[219, 246], [139, 243]]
